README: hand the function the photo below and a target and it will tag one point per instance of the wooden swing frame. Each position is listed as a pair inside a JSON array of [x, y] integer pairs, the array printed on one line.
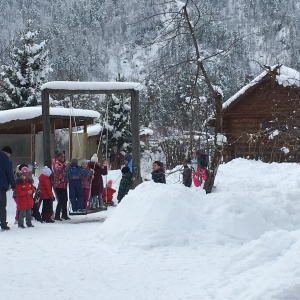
[[67, 87]]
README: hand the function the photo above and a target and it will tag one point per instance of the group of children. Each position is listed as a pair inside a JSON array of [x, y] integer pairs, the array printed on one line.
[[82, 194], [86, 185], [80, 178]]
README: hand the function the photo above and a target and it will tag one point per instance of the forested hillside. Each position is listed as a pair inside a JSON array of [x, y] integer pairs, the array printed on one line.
[[95, 40]]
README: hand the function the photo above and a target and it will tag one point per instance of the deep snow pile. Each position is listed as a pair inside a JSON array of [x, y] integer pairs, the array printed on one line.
[[250, 199], [255, 209]]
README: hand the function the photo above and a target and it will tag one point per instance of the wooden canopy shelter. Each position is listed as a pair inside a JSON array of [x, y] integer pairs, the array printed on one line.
[[262, 120], [73, 88], [21, 129]]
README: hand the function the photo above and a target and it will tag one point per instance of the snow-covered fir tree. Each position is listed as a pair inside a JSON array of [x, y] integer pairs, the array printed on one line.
[[118, 123], [21, 80]]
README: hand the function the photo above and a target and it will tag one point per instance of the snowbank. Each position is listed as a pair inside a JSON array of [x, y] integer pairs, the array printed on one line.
[[244, 206]]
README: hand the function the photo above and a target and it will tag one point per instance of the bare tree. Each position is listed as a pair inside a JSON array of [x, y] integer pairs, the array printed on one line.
[[179, 22]]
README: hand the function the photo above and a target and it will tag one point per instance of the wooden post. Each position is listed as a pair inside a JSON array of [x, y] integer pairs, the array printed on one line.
[[32, 146], [70, 141], [46, 128], [135, 130]]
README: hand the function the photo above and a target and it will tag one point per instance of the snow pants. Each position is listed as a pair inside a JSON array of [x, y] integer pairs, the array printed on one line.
[[75, 194], [62, 202], [3, 203], [47, 209], [96, 200], [86, 197], [24, 213]]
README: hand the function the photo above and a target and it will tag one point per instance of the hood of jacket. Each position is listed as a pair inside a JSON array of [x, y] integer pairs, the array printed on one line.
[[43, 177]]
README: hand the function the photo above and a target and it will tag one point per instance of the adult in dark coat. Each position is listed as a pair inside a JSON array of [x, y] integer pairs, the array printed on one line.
[[97, 182], [115, 159], [6, 179]]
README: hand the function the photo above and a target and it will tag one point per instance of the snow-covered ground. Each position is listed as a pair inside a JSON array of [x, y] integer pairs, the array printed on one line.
[[168, 242]]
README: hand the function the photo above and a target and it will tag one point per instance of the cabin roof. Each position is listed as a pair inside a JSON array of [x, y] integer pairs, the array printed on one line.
[[283, 75]]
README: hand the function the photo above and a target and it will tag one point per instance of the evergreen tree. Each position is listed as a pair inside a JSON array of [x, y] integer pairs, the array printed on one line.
[[118, 124], [22, 80]]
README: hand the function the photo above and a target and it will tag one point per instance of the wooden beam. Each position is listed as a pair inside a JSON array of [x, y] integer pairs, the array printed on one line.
[[135, 131], [87, 92], [85, 127], [32, 145], [46, 128]]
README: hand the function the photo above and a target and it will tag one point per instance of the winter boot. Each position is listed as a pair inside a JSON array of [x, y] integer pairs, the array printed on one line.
[[5, 227]]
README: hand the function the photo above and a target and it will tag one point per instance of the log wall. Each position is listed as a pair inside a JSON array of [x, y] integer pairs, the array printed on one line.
[[262, 122]]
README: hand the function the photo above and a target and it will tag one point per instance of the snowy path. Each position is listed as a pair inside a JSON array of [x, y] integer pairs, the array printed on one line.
[[65, 261]]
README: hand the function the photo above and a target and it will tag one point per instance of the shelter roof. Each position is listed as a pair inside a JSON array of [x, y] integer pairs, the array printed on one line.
[[20, 120]]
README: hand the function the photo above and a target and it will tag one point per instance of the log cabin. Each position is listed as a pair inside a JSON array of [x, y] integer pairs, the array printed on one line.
[[262, 120]]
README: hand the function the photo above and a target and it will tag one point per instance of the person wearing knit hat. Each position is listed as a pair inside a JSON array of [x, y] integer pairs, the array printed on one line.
[[6, 180], [24, 171], [7, 149], [60, 185], [74, 177], [97, 183], [47, 171], [125, 183], [94, 158], [58, 153], [108, 193], [87, 176], [24, 193], [115, 159], [128, 161], [46, 195]]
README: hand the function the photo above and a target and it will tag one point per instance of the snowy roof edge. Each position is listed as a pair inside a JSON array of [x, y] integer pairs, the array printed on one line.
[[286, 77], [27, 113]]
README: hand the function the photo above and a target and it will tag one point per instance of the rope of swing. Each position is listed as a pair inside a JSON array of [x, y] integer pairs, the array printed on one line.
[[79, 144], [100, 138]]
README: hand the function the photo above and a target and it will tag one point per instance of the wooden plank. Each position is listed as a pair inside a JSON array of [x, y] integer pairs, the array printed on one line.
[[86, 212]]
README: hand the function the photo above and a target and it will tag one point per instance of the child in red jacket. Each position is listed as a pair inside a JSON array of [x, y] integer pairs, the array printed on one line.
[[108, 193], [46, 195], [24, 192]]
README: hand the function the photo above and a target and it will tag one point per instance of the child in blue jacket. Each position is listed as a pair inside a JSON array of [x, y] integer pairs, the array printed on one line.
[[74, 176]]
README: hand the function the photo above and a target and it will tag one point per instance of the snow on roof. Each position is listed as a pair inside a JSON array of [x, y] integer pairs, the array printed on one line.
[[146, 131], [26, 113], [91, 86], [97, 128], [92, 130], [286, 77]]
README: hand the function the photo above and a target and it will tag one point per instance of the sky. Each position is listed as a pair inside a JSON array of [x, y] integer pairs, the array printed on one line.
[[168, 242]]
